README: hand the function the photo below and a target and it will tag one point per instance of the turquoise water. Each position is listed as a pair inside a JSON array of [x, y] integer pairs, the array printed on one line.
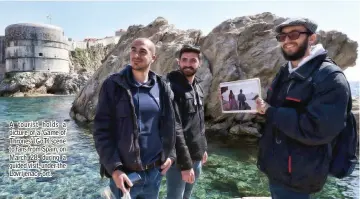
[[229, 173]]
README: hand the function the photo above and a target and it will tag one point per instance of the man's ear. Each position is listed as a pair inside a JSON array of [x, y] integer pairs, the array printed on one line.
[[312, 39], [177, 61], [154, 58]]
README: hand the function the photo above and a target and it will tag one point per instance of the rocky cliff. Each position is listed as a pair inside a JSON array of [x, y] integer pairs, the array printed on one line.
[[90, 59], [83, 63], [240, 48]]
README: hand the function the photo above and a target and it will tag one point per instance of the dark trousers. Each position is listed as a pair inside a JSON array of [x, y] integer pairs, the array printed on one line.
[[148, 188], [280, 192]]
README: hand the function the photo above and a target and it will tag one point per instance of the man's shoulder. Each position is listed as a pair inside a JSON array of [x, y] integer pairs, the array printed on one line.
[[113, 78], [327, 68]]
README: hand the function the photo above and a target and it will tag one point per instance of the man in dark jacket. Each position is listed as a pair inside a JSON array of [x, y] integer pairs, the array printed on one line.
[[303, 114], [189, 100], [241, 98], [135, 126]]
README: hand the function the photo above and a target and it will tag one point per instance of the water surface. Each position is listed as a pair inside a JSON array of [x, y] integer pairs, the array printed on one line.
[[230, 171]]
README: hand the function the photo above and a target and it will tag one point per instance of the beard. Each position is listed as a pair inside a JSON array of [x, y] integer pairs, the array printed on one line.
[[139, 67], [188, 71], [300, 53]]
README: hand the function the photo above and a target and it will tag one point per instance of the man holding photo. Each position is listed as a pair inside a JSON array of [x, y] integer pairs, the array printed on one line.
[[305, 109], [188, 95]]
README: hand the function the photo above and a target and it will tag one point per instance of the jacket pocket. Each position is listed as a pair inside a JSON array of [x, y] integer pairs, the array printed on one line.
[[310, 166], [266, 151], [278, 162], [189, 103], [123, 121]]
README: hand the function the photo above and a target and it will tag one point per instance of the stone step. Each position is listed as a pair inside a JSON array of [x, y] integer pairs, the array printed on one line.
[[254, 198]]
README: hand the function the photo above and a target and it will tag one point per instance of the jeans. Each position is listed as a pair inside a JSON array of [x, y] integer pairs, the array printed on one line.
[[176, 187], [280, 192], [147, 188]]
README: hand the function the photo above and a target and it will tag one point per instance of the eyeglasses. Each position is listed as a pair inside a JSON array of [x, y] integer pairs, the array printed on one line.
[[292, 35]]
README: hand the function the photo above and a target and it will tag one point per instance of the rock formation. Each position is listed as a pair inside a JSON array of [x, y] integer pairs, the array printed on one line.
[[240, 48], [356, 112], [84, 62], [90, 59]]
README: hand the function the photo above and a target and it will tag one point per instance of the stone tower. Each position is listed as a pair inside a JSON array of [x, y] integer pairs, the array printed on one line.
[[35, 48]]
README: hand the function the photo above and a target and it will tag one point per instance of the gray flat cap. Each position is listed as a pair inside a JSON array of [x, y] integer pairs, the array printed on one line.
[[307, 23]]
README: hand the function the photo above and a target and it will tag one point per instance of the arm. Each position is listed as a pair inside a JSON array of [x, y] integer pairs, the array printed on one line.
[[324, 116], [103, 132], [182, 151]]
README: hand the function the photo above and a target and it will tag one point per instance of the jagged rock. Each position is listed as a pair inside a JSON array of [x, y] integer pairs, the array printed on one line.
[[80, 118], [356, 112], [239, 48], [89, 59], [35, 83], [18, 94], [355, 104], [244, 117], [218, 128], [49, 83], [244, 130], [68, 83]]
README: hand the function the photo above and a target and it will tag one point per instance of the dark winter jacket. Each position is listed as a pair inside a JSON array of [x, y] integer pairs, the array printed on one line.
[[306, 115], [116, 128], [190, 102]]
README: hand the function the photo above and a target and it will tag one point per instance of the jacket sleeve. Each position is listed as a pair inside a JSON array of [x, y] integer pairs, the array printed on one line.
[[182, 152], [103, 133], [324, 116]]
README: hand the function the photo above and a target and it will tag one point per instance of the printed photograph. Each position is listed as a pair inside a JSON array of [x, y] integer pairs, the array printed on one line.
[[239, 96]]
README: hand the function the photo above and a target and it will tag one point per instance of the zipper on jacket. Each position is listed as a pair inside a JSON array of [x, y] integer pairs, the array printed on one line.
[[276, 132], [197, 97], [290, 84], [289, 146], [138, 99], [136, 126]]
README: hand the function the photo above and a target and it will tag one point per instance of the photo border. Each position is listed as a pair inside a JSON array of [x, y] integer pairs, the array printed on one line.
[[232, 83]]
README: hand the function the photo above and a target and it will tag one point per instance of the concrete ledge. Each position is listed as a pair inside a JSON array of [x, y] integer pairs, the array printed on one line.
[[254, 198]]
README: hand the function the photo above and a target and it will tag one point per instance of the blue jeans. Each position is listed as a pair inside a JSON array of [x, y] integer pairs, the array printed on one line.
[[280, 192], [176, 187], [147, 188]]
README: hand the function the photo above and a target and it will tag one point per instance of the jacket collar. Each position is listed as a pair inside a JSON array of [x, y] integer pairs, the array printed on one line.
[[121, 77], [308, 68], [179, 77]]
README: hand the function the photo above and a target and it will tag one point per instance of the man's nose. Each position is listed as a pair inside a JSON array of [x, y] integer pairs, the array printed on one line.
[[287, 39], [135, 54]]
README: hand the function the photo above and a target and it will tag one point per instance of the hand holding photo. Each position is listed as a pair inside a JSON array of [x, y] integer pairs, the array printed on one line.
[[240, 96]]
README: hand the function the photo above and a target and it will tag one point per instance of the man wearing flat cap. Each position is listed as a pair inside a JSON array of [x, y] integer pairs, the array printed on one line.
[[305, 109]]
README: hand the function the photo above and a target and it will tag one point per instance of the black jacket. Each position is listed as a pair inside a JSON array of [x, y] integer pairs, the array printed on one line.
[[116, 129], [306, 115], [191, 114]]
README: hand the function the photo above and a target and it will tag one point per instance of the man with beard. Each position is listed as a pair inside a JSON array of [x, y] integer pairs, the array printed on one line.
[[305, 109], [189, 99], [135, 126]]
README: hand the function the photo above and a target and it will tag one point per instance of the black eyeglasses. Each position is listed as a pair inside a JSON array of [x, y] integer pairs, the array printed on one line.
[[292, 35]]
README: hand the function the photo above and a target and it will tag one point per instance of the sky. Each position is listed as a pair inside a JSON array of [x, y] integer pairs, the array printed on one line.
[[100, 19]]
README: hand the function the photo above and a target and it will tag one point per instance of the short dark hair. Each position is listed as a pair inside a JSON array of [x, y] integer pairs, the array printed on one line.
[[190, 48]]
